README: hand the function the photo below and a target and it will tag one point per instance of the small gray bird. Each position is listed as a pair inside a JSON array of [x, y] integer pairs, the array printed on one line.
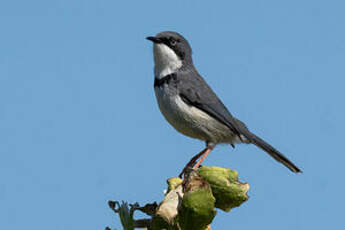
[[190, 105]]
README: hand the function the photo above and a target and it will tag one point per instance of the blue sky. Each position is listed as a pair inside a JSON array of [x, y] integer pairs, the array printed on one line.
[[79, 123]]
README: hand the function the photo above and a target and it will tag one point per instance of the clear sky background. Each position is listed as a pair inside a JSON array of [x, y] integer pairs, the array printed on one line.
[[79, 123]]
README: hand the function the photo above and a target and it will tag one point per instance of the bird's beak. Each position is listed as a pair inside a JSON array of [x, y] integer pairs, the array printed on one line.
[[154, 39]]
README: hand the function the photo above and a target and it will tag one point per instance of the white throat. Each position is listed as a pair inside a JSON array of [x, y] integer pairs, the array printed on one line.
[[166, 60]]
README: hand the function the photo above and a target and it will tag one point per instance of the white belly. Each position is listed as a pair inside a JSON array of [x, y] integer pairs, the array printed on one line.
[[189, 120]]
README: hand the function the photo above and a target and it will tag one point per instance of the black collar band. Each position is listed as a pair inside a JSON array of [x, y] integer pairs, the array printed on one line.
[[164, 80]]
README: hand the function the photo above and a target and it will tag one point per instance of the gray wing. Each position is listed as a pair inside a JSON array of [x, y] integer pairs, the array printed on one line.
[[196, 92]]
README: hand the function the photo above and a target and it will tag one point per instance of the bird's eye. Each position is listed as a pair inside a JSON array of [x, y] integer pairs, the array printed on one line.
[[172, 42]]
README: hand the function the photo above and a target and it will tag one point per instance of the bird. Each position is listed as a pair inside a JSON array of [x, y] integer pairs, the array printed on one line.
[[190, 105]]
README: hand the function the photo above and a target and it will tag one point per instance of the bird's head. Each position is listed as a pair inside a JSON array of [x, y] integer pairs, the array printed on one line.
[[171, 50]]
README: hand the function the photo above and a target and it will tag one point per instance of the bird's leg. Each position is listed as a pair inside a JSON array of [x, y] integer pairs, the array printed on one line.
[[192, 161], [208, 150]]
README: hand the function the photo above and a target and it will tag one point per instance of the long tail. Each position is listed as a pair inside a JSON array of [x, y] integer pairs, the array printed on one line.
[[272, 152]]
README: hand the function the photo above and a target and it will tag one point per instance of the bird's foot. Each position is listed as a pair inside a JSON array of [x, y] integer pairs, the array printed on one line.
[[192, 161], [187, 170]]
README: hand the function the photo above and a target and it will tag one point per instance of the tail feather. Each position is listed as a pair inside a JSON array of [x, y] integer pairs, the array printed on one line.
[[272, 152]]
